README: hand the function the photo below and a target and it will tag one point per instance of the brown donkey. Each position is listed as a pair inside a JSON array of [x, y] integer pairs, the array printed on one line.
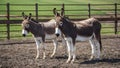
[[41, 31], [81, 31]]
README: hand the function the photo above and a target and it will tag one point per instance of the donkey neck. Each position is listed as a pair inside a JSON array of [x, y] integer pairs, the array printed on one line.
[[69, 29], [36, 29]]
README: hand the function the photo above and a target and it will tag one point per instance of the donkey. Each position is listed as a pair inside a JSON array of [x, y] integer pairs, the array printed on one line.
[[40, 31], [79, 31]]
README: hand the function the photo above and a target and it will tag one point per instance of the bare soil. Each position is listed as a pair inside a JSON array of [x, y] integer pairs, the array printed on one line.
[[22, 55]]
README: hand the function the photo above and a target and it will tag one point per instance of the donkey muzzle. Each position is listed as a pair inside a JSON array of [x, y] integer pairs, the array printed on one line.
[[24, 32], [23, 35], [57, 34]]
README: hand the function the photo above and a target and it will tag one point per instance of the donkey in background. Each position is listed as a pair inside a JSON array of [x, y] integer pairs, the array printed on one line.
[[81, 31], [40, 31]]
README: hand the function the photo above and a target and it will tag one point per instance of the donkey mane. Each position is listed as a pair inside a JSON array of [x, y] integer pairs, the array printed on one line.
[[34, 20], [67, 20]]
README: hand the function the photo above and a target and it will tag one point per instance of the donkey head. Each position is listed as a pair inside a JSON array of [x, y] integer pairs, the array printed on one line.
[[62, 22], [58, 18], [25, 24]]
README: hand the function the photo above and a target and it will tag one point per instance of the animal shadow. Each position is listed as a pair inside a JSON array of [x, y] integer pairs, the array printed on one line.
[[102, 60], [61, 57]]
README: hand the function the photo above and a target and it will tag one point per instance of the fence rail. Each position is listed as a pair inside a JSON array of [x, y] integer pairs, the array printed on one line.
[[43, 12]]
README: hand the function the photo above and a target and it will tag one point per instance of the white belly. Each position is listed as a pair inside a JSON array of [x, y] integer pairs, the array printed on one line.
[[83, 38], [52, 36]]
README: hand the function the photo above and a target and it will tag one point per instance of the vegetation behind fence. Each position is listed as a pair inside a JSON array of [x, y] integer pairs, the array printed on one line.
[[10, 15]]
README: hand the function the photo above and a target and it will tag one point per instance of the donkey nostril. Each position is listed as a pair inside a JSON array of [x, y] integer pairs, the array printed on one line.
[[57, 35], [23, 35]]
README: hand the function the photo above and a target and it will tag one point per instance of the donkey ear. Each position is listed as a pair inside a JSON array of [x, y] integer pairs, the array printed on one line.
[[30, 14], [23, 14], [29, 17], [62, 11], [54, 11]]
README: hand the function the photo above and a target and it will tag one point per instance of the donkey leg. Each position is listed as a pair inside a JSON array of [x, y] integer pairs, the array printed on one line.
[[73, 50], [63, 42], [73, 53], [64, 45], [93, 47], [68, 42], [55, 47], [38, 47], [98, 50], [69, 54], [37, 56], [43, 48]]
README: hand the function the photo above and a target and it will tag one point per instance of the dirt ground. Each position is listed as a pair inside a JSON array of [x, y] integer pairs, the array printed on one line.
[[22, 55]]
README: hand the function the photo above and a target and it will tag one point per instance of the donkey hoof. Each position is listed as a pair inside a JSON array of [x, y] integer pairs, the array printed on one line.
[[52, 56], [91, 58], [72, 62], [67, 61], [44, 57], [36, 58]]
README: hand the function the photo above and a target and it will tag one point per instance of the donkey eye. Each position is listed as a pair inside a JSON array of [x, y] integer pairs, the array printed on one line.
[[27, 25], [61, 24]]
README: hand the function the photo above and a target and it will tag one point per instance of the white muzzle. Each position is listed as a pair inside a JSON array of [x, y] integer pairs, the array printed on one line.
[[24, 32], [57, 32]]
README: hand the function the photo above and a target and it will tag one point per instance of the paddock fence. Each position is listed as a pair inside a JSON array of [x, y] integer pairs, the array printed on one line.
[[10, 16]]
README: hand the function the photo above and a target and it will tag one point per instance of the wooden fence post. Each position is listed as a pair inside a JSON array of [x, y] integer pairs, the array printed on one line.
[[8, 20], [36, 11], [116, 21], [89, 10]]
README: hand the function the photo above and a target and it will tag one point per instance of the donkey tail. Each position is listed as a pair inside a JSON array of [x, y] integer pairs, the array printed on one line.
[[97, 32], [98, 38]]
